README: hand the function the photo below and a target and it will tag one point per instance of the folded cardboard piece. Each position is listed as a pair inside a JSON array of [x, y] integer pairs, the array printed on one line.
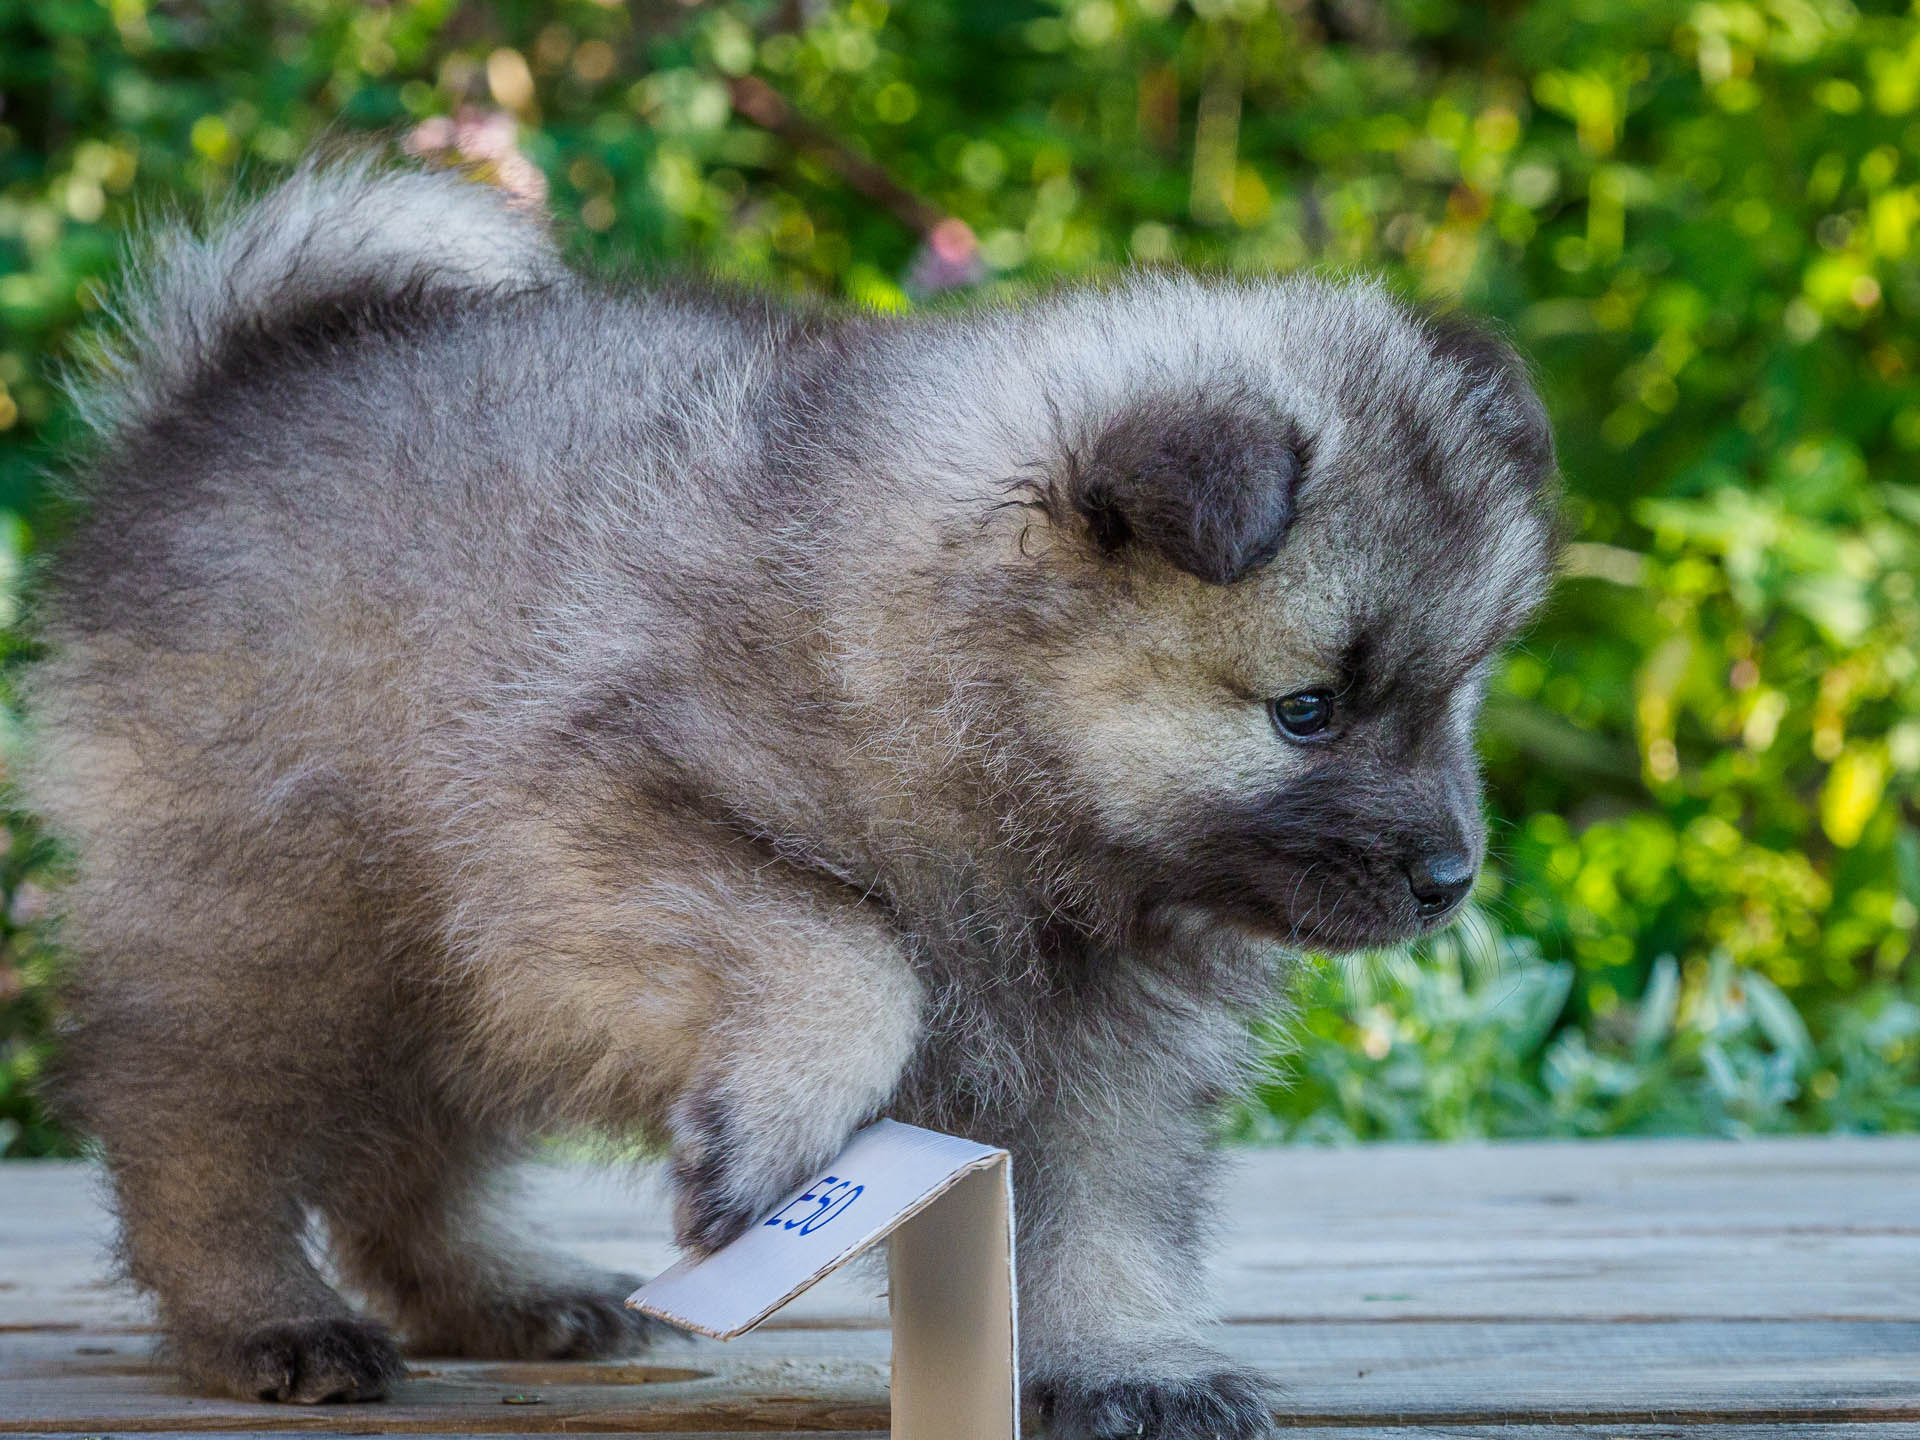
[[946, 1207]]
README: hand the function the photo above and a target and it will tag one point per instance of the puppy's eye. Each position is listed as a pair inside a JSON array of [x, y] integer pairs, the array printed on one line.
[[1305, 716]]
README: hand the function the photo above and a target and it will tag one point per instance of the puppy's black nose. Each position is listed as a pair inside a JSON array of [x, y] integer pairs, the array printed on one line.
[[1439, 880]]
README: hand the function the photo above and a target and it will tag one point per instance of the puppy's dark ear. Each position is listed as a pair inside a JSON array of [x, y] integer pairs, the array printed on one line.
[[1208, 484], [1500, 389]]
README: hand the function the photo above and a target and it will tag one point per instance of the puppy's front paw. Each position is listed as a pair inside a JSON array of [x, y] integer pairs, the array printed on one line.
[[709, 1206], [725, 1176], [307, 1362], [1219, 1405]]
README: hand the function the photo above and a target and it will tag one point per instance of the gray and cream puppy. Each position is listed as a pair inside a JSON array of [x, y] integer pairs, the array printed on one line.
[[483, 701]]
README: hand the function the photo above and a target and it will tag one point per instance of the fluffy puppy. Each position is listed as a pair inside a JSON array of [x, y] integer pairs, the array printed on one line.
[[483, 701]]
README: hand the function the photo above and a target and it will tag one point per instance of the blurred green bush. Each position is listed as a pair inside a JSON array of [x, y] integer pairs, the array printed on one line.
[[1701, 219]]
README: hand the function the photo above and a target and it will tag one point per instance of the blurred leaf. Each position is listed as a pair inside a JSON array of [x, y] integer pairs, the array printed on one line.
[[1659, 1004]]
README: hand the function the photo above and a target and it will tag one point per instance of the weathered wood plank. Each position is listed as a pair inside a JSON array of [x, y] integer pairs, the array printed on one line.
[[1804, 1228], [1642, 1229], [1682, 1285], [1338, 1373], [1646, 1229]]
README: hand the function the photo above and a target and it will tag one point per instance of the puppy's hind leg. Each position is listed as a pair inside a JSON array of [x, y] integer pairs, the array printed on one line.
[[213, 1224]]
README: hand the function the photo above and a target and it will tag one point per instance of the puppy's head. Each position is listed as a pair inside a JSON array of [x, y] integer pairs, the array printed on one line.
[[1286, 532]]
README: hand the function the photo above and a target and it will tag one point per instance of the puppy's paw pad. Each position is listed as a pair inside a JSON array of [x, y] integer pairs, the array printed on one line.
[[1222, 1405], [315, 1362]]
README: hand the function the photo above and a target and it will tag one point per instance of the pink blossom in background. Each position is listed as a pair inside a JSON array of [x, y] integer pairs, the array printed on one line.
[[949, 259], [488, 140]]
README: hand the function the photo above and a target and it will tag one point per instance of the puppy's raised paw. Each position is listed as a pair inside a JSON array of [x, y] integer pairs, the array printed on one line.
[[728, 1174], [1220, 1405], [311, 1362], [716, 1192], [706, 1211]]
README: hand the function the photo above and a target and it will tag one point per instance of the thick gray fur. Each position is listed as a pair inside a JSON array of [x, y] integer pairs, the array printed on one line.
[[484, 702]]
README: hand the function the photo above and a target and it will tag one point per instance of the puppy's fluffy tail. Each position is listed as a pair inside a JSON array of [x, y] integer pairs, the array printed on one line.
[[346, 232]]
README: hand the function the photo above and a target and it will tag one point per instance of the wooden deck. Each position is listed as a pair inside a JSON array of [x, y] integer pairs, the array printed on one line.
[[1762, 1290]]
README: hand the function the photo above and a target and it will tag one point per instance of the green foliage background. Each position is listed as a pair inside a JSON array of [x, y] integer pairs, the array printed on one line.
[[1702, 221]]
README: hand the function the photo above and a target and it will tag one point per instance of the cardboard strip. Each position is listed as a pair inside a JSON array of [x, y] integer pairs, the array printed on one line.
[[955, 1314], [947, 1203]]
